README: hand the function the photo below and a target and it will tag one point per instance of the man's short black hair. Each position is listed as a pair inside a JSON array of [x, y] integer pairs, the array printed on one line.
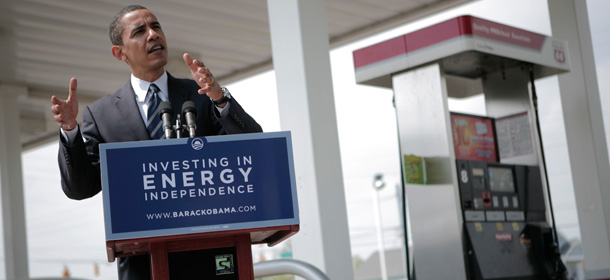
[[116, 29]]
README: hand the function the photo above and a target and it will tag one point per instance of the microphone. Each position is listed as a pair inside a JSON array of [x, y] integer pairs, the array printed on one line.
[[190, 113], [166, 113]]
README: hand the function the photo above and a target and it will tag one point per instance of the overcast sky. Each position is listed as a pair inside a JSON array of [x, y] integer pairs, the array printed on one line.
[[66, 232]]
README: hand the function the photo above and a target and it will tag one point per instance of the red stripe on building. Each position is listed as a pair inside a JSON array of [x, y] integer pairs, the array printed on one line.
[[453, 28], [506, 34], [379, 52], [438, 33]]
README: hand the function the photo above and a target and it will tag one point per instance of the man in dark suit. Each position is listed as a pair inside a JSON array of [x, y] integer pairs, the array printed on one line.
[[138, 40]]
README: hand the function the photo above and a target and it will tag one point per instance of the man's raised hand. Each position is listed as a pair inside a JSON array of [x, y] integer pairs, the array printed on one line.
[[65, 111], [203, 77]]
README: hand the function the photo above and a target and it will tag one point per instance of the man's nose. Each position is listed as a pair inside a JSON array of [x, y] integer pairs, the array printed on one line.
[[152, 34]]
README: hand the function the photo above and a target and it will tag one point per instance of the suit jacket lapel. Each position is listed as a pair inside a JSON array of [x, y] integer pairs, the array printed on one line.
[[128, 108]]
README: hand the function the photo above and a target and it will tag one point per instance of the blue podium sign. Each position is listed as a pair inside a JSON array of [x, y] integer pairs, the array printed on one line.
[[196, 185]]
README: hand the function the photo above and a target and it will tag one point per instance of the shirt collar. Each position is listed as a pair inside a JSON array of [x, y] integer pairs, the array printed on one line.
[[140, 87]]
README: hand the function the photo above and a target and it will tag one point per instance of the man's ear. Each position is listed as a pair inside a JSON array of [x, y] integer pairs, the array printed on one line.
[[117, 52]]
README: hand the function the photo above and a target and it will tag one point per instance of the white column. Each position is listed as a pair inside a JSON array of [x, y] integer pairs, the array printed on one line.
[[11, 184], [301, 61], [585, 134]]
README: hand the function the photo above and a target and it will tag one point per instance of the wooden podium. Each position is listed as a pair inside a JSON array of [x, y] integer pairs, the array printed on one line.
[[159, 247], [178, 195]]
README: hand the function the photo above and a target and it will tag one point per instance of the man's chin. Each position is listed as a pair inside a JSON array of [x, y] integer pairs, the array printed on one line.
[[160, 62], [162, 54]]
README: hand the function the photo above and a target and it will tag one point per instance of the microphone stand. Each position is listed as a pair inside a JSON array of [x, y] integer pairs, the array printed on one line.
[[179, 127]]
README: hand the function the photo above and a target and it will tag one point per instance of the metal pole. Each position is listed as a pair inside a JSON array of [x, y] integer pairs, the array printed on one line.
[[378, 184]]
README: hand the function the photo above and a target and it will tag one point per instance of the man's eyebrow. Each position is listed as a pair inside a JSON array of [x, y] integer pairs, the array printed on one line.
[[136, 29]]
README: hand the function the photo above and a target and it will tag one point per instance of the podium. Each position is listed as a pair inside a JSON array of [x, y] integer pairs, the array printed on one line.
[[214, 195]]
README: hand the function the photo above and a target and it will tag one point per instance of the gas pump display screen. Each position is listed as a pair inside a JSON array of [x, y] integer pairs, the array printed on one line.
[[501, 179]]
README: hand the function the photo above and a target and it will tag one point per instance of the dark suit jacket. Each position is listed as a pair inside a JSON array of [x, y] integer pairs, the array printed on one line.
[[116, 118]]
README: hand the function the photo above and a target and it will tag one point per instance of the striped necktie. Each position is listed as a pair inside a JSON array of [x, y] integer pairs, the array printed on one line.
[[154, 122]]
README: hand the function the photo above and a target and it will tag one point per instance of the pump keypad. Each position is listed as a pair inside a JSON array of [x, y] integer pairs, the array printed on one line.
[[491, 191]]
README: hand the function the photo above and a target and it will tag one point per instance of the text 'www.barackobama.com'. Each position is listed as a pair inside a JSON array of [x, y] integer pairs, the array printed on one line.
[[200, 212]]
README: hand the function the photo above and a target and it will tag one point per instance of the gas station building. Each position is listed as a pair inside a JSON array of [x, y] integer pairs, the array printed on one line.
[[475, 202]]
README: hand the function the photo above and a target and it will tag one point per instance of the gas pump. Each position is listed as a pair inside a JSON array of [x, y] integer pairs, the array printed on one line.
[[474, 185], [504, 222]]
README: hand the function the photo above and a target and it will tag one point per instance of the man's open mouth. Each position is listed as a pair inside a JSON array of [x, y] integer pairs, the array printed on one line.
[[156, 48]]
